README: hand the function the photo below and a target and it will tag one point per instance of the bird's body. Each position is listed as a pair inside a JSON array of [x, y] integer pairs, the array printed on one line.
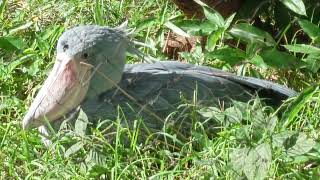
[[90, 63], [165, 91], [162, 86]]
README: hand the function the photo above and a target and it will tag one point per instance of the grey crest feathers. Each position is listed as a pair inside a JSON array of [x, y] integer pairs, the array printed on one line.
[[123, 26], [91, 38]]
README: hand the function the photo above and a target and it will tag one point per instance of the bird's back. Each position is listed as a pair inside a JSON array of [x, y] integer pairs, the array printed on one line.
[[167, 90]]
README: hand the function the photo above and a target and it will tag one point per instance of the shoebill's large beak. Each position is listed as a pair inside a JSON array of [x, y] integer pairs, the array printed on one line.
[[63, 90]]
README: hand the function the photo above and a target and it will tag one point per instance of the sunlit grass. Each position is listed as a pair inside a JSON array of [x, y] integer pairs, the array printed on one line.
[[288, 144]]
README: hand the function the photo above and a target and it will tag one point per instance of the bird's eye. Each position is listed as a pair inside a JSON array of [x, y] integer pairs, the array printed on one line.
[[65, 47], [85, 55]]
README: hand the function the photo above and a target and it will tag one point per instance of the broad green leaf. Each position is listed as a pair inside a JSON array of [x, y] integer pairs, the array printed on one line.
[[200, 3], [311, 29], [254, 163], [238, 159], [303, 48], [73, 149], [148, 22], [252, 49], [243, 133], [278, 59], [43, 44], [259, 121], [272, 123], [312, 62], [11, 43], [34, 68], [258, 162], [258, 61], [297, 104], [290, 141], [317, 147], [296, 6], [196, 27], [214, 17], [14, 64], [201, 139], [300, 159], [213, 38], [230, 55], [96, 161], [189, 25], [96, 171], [210, 112], [81, 123], [233, 114], [302, 145], [279, 139], [229, 21], [176, 29], [207, 27], [96, 158], [250, 34]]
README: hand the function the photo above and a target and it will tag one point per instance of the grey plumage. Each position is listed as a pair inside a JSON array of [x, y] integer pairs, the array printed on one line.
[[163, 86], [93, 40]]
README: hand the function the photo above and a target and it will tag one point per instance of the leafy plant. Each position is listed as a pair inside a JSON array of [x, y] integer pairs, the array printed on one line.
[[261, 49]]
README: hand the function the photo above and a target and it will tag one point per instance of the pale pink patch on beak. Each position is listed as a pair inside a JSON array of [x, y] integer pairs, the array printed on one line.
[[62, 91]]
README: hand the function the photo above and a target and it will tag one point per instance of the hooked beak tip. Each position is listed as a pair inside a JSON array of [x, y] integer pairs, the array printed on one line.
[[26, 123]]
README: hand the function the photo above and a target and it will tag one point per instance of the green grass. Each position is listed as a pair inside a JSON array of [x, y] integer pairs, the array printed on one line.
[[252, 141]]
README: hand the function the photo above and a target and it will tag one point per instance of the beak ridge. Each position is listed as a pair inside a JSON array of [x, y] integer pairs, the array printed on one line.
[[61, 92]]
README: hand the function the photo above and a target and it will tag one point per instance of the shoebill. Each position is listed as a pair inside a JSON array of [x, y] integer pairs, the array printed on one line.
[[90, 74]]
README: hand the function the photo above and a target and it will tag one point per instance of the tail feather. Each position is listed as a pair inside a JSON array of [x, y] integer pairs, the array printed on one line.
[[274, 94]]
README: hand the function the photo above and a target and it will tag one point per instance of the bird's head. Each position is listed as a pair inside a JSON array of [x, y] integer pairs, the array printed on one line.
[[89, 60]]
